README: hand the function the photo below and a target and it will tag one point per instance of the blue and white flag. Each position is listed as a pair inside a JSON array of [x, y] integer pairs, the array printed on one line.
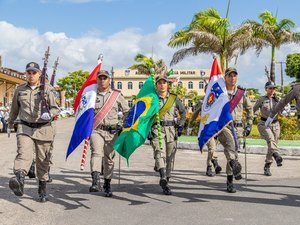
[[84, 107], [215, 113]]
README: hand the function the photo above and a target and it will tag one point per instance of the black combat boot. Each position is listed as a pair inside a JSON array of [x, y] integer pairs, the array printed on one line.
[[42, 191], [236, 169], [163, 182], [277, 158], [96, 182], [267, 170], [106, 187], [209, 171], [217, 167], [16, 184], [49, 177], [31, 172], [230, 187]]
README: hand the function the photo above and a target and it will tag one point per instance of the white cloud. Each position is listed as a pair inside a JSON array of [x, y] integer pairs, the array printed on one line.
[[19, 46]]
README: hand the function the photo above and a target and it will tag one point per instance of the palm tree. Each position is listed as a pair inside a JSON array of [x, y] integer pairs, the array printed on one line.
[[146, 63], [210, 33], [273, 33]]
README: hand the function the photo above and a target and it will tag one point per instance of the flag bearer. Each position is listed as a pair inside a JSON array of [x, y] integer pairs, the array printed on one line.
[[169, 106], [239, 103], [108, 103]]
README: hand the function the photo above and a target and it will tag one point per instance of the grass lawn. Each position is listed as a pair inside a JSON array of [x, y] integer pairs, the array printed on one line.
[[286, 143]]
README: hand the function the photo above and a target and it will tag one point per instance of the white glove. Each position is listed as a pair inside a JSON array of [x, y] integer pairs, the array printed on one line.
[[8, 132], [268, 121], [189, 131], [46, 116]]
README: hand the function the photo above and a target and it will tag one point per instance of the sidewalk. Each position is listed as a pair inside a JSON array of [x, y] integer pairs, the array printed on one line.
[[253, 146]]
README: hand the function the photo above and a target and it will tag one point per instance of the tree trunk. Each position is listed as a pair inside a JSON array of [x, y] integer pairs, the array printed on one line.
[[272, 75]]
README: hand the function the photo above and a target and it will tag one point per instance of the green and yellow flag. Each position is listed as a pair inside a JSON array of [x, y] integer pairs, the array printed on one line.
[[139, 120]]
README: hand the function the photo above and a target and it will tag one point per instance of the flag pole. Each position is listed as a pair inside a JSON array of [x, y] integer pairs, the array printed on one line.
[[87, 139], [157, 114], [245, 151]]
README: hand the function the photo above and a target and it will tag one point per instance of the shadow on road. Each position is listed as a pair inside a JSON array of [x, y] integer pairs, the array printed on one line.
[[68, 185]]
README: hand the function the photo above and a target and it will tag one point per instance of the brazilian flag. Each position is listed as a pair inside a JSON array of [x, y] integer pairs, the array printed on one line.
[[139, 120]]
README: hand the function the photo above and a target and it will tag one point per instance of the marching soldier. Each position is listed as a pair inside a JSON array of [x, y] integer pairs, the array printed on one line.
[[238, 103], [294, 93], [169, 105], [272, 132], [212, 159], [34, 132], [106, 128]]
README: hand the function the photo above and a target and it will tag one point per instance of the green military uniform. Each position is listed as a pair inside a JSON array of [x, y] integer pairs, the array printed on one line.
[[33, 132], [104, 136], [164, 157], [212, 159], [294, 93], [226, 138]]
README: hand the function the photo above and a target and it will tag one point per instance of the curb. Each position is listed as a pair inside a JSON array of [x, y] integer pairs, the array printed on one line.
[[252, 149]]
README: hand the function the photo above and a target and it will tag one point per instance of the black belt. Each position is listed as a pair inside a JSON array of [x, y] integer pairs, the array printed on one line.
[[238, 124], [264, 119], [107, 128], [33, 125], [166, 123]]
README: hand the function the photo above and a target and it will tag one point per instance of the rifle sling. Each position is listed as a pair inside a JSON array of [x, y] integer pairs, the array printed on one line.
[[105, 108], [167, 106], [236, 98]]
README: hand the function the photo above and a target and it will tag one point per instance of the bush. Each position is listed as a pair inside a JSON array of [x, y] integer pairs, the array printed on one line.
[[288, 126]]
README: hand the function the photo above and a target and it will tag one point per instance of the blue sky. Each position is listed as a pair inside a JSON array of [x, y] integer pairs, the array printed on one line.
[[77, 30]]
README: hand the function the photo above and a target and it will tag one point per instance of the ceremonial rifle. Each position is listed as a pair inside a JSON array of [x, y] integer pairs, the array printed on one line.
[[54, 72], [44, 104]]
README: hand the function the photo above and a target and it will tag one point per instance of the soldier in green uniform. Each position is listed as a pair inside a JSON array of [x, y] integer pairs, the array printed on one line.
[[170, 104], [34, 132], [106, 132], [212, 159], [272, 132], [242, 102]]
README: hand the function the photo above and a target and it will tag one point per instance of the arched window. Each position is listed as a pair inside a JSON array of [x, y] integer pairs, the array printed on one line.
[[130, 103], [180, 83], [201, 85], [119, 85], [140, 85], [190, 103], [190, 85], [130, 85]]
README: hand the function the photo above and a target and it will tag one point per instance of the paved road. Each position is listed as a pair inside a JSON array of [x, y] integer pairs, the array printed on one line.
[[138, 199]]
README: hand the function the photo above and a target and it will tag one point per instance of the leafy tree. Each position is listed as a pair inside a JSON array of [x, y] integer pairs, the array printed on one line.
[[273, 33], [293, 66], [72, 83], [210, 33], [146, 63]]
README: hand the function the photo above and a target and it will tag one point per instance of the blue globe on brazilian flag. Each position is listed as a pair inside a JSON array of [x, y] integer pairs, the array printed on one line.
[[139, 120]]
